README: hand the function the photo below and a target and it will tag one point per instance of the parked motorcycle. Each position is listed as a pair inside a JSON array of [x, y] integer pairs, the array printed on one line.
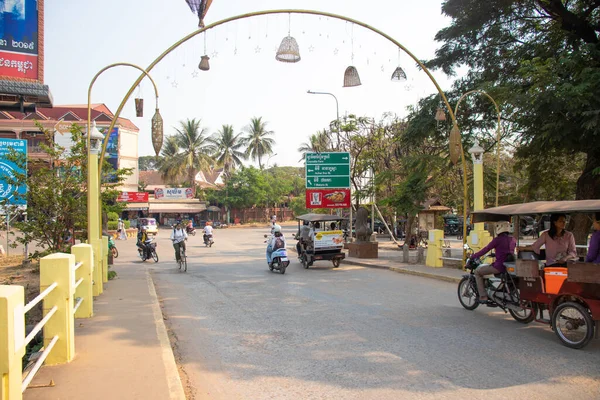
[[502, 290], [149, 250], [112, 247], [208, 240], [190, 230]]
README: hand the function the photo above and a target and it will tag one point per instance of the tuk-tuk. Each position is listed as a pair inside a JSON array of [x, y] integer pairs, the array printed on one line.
[[326, 239], [571, 294]]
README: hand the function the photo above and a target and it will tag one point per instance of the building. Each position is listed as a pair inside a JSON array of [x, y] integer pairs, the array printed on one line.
[[123, 143]]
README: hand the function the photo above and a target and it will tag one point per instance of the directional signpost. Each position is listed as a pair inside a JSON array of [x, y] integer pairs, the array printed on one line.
[[327, 170]]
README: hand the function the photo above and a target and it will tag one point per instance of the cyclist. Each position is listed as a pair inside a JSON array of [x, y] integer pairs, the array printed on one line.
[[178, 236]]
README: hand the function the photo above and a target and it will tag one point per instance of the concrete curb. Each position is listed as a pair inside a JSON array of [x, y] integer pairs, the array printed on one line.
[[405, 271], [176, 391]]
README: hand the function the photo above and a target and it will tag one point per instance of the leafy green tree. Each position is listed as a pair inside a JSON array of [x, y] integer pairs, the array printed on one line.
[[258, 140], [317, 143], [147, 163], [57, 193], [541, 60], [247, 187]]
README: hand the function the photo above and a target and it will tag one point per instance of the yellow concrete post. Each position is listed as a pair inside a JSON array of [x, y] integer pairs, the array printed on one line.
[[479, 237], [12, 338], [434, 248], [104, 259], [83, 253], [98, 286], [59, 268]]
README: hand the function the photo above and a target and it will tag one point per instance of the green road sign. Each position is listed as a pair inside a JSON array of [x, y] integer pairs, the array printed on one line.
[[328, 170], [327, 158], [327, 182]]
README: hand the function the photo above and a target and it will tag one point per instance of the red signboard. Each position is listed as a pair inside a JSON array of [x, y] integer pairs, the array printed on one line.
[[133, 197], [18, 65], [327, 198]]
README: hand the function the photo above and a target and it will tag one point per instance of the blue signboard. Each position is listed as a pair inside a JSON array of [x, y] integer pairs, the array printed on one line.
[[10, 169], [112, 154], [19, 26]]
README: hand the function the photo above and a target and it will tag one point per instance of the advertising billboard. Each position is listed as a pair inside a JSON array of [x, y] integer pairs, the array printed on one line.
[[10, 169], [133, 197], [327, 198], [173, 193], [112, 154], [19, 35]]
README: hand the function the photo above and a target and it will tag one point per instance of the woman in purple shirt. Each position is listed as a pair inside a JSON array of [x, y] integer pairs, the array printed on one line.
[[560, 244], [593, 254], [504, 245]]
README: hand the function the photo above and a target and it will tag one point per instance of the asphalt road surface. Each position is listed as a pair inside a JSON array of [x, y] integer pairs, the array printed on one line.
[[242, 332]]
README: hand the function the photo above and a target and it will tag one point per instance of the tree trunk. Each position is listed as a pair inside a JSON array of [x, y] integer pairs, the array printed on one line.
[[588, 187]]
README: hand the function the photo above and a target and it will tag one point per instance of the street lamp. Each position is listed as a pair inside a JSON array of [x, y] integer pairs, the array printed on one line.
[[337, 113]]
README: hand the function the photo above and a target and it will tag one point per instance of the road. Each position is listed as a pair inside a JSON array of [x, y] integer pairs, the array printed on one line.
[[242, 332]]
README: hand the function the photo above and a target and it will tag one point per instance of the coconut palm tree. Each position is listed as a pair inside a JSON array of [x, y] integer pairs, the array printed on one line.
[[257, 140], [317, 143], [195, 149], [228, 147], [169, 164]]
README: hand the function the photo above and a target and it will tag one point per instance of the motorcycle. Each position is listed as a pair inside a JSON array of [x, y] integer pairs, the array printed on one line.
[[208, 240], [112, 247], [279, 259], [502, 290], [190, 230], [149, 250]]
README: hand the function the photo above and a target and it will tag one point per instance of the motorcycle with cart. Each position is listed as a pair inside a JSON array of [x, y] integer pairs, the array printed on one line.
[[569, 294], [326, 239]]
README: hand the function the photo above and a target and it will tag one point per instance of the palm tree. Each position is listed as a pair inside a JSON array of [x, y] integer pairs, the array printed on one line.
[[169, 164], [228, 149], [317, 143], [258, 141], [195, 149]]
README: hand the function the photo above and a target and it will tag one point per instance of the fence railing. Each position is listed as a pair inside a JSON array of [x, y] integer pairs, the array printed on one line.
[[68, 283]]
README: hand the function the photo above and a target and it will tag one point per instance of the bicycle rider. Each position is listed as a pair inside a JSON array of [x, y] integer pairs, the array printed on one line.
[[178, 236]]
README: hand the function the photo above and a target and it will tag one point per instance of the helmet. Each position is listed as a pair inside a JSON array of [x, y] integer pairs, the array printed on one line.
[[277, 228], [502, 226]]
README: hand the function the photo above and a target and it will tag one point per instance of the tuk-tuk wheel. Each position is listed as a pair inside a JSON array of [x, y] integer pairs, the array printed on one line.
[[573, 325], [336, 262]]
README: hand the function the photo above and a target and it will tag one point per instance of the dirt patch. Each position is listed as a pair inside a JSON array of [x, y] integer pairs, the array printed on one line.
[[12, 272]]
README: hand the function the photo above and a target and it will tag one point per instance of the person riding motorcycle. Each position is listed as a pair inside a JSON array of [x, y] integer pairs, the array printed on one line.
[[178, 236], [208, 231], [277, 241], [142, 236], [190, 226], [504, 246]]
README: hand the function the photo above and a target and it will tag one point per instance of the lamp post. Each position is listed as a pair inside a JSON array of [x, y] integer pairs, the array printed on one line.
[[337, 113]]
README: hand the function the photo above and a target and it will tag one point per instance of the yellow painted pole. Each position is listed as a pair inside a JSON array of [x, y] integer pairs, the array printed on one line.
[[12, 337], [98, 285], [83, 253], [59, 268], [434, 248]]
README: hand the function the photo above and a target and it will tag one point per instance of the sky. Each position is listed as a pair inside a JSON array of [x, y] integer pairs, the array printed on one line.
[[244, 79]]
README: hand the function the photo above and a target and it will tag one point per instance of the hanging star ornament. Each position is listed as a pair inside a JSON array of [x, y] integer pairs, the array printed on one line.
[[336, 51], [174, 84], [195, 74], [311, 48], [257, 49], [214, 54]]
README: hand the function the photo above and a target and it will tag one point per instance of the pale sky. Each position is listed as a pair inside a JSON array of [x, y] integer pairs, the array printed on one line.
[[245, 80]]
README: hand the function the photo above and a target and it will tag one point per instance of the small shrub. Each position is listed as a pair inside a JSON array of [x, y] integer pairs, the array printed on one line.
[[113, 216]]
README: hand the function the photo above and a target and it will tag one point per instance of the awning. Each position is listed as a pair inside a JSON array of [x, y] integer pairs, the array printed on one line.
[[213, 208], [503, 213], [174, 207], [136, 206]]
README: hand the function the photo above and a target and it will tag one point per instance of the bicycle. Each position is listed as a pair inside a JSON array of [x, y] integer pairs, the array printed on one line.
[[182, 259]]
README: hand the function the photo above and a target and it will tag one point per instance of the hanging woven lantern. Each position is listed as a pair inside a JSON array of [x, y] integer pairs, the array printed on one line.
[[204, 65], [454, 144], [288, 50], [139, 108], [399, 75], [440, 115], [351, 77], [157, 132]]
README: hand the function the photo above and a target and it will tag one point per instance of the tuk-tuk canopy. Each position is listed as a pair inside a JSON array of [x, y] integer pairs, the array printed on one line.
[[503, 213], [320, 217]]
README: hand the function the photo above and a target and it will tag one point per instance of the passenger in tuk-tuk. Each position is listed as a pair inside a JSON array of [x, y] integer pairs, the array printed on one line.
[[504, 244], [560, 243], [303, 238], [593, 255]]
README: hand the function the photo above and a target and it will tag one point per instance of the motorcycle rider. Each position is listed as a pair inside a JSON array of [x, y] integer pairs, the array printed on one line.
[[277, 241], [504, 244], [190, 226], [142, 236], [178, 236], [208, 231]]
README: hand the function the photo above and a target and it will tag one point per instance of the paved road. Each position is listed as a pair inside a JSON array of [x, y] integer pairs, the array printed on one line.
[[242, 332]]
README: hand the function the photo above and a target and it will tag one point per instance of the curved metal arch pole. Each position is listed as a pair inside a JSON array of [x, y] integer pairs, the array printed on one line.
[[498, 130], [320, 13]]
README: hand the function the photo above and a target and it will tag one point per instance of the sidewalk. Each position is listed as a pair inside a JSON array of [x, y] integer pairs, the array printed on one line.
[[123, 352]]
